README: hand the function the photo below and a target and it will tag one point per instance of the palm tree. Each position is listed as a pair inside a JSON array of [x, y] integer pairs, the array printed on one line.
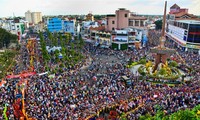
[[45, 54], [55, 39]]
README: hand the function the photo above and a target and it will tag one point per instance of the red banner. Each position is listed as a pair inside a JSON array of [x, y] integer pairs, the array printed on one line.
[[21, 75], [194, 33]]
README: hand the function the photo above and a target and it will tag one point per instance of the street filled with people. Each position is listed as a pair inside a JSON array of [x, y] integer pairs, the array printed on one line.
[[96, 84]]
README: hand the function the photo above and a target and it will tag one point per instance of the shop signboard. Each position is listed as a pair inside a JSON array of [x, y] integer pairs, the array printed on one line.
[[193, 46]]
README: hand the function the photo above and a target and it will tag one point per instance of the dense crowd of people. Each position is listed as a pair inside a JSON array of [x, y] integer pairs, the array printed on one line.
[[81, 91]]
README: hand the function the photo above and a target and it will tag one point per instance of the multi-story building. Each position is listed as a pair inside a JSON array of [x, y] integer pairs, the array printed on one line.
[[28, 16], [176, 9], [59, 25], [186, 33], [33, 17], [18, 29], [177, 13], [183, 29], [124, 18], [102, 38], [85, 27], [36, 17], [68, 26], [54, 25], [111, 22], [120, 39], [14, 26], [39, 27]]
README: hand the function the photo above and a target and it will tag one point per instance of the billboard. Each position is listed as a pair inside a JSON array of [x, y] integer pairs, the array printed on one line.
[[177, 32]]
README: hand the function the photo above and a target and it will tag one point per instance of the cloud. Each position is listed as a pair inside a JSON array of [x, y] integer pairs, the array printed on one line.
[[56, 7], [195, 7]]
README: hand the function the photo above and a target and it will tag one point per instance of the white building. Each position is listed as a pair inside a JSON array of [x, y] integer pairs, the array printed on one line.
[[33, 17], [86, 25], [13, 27], [186, 33], [120, 39], [36, 17], [28, 16]]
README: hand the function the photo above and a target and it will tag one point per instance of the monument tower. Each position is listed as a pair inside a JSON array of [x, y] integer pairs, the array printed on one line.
[[162, 52]]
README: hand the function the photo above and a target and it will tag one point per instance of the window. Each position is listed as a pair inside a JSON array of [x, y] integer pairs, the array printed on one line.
[[113, 28], [130, 23], [141, 23], [136, 23], [113, 22], [125, 15], [185, 26]]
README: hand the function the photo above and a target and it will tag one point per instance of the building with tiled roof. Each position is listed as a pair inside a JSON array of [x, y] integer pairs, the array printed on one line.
[[176, 9], [184, 15], [99, 28], [175, 6], [178, 13], [183, 29]]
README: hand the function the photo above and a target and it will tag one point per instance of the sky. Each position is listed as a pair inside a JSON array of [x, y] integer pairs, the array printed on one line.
[[67, 7]]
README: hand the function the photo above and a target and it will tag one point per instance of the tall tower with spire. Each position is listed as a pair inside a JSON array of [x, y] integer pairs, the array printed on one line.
[[162, 52]]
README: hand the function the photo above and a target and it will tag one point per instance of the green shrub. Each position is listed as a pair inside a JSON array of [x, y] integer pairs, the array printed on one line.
[[134, 63], [140, 69], [173, 64], [140, 78], [162, 71], [142, 61], [179, 115]]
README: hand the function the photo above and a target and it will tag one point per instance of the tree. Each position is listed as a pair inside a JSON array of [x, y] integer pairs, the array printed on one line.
[[179, 115], [45, 54], [123, 116], [62, 44], [56, 53], [67, 39], [158, 24], [70, 50], [196, 111], [6, 61], [183, 115], [146, 117], [55, 39], [6, 38], [82, 42]]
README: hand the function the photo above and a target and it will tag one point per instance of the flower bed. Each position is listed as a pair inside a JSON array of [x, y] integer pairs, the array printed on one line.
[[175, 75], [141, 61]]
